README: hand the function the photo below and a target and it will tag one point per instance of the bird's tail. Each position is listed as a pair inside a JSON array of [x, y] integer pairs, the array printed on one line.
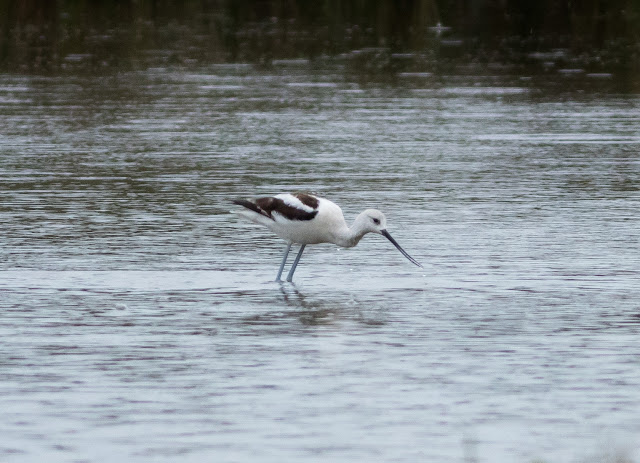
[[249, 205], [252, 212]]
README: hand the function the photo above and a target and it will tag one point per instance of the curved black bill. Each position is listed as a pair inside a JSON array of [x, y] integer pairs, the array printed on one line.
[[386, 234]]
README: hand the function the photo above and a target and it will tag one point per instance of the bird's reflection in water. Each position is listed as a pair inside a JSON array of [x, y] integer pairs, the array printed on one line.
[[311, 311], [306, 309]]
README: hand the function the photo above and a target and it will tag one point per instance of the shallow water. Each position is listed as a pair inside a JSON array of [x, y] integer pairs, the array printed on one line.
[[139, 317]]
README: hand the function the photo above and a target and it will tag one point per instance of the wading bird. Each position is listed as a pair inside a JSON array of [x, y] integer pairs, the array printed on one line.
[[306, 219]]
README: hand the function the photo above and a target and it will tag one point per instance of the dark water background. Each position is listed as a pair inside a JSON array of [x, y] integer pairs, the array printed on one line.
[[138, 316], [380, 39]]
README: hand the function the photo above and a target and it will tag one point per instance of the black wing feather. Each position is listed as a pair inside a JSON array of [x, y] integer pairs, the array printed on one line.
[[251, 206], [268, 205]]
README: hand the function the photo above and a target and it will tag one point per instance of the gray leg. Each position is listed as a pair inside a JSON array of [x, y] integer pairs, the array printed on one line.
[[284, 261], [295, 263]]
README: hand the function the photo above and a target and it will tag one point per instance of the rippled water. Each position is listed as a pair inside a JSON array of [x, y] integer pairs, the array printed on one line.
[[139, 320]]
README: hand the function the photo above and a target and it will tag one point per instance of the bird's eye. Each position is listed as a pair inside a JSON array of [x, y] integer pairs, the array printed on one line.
[[376, 221]]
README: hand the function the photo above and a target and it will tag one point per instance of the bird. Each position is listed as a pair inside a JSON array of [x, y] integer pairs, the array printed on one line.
[[303, 218]]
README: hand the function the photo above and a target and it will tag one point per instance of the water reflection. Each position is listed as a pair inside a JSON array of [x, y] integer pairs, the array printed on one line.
[[384, 41], [306, 311]]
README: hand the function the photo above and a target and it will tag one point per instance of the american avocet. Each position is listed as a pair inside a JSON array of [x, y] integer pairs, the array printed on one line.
[[306, 219]]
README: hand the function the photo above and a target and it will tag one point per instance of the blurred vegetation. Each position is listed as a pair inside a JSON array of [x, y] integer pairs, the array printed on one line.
[[597, 36]]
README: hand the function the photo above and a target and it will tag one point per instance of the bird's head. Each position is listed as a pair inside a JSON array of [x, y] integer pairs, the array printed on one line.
[[374, 221]]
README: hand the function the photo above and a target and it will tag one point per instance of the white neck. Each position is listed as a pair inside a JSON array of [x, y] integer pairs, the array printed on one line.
[[348, 237]]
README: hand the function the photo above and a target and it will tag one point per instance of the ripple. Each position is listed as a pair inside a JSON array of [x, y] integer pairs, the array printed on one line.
[[140, 318]]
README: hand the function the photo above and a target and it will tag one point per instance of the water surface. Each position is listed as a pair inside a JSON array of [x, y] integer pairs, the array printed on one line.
[[139, 320]]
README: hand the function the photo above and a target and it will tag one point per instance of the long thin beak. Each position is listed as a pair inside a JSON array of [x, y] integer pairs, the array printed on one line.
[[386, 234]]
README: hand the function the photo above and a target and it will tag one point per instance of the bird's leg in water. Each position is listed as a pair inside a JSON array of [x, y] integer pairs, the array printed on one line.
[[284, 261], [295, 263]]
